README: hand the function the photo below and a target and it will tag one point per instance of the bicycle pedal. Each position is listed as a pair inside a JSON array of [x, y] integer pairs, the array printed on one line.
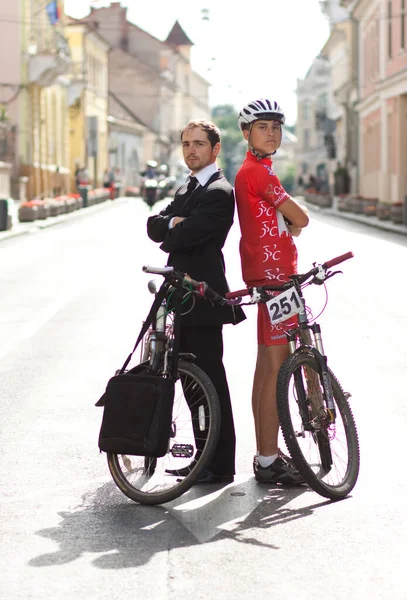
[[182, 450]]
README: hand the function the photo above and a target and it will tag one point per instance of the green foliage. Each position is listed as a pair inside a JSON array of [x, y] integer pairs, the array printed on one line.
[[3, 113], [288, 179], [225, 117], [290, 128]]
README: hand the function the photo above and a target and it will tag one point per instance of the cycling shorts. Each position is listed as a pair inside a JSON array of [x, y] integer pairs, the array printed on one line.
[[269, 334]]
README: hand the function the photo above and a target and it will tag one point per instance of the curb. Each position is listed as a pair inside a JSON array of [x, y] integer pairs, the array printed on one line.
[[35, 226], [371, 221]]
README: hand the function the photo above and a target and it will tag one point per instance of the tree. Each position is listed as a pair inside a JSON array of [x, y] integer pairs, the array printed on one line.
[[288, 179], [233, 150]]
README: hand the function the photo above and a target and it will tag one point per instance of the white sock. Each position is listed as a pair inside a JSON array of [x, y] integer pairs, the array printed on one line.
[[266, 461]]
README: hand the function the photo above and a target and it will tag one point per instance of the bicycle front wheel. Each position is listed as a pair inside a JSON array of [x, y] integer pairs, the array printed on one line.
[[193, 438], [326, 453]]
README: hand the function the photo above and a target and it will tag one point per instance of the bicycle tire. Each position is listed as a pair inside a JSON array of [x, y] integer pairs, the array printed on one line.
[[327, 456], [144, 479]]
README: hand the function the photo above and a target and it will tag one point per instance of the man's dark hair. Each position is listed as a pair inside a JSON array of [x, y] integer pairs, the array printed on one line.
[[210, 128]]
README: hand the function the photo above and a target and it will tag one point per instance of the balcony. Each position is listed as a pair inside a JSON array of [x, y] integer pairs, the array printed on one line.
[[320, 119], [77, 82], [48, 59]]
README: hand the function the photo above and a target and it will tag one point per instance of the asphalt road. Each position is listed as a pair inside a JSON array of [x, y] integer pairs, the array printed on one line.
[[72, 298]]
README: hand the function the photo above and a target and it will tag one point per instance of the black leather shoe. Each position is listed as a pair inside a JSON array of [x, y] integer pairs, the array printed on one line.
[[207, 477], [182, 472]]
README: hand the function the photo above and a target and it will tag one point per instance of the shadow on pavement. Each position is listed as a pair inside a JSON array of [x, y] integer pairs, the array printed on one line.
[[125, 534]]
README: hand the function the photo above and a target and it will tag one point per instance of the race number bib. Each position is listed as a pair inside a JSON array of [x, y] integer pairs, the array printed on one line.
[[284, 306]]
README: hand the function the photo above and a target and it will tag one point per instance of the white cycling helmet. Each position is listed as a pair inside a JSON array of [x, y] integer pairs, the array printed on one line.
[[262, 108]]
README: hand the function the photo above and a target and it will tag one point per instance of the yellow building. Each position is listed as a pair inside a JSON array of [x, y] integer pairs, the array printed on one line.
[[42, 111], [88, 101]]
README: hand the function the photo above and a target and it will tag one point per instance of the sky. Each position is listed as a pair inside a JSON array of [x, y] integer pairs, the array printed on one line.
[[244, 49]]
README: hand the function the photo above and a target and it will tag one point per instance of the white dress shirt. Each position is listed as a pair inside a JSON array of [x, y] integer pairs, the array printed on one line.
[[203, 177]]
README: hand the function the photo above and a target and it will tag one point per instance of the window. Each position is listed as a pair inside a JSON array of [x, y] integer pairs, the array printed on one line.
[[403, 25], [306, 138], [305, 110], [389, 28]]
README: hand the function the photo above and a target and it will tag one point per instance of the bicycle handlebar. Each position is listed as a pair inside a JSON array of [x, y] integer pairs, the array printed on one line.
[[158, 270], [237, 294], [200, 287], [336, 261], [300, 278]]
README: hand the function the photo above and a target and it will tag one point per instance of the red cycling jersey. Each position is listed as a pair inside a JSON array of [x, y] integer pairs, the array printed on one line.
[[267, 250]]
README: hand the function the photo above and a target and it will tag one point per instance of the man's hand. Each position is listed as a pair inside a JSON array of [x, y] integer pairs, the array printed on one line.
[[295, 231], [177, 220]]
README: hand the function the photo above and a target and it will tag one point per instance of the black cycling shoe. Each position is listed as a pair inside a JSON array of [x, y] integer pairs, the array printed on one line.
[[184, 471], [280, 471], [208, 477], [285, 457]]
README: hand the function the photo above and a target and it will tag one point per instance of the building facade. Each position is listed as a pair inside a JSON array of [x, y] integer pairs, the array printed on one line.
[[314, 125], [88, 101], [34, 94], [153, 79], [382, 105], [340, 50], [126, 139]]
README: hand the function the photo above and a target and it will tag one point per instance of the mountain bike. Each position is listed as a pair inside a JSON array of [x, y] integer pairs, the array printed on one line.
[[196, 413], [314, 413]]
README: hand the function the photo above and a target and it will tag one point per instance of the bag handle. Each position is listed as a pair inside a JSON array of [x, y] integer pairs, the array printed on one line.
[[159, 297]]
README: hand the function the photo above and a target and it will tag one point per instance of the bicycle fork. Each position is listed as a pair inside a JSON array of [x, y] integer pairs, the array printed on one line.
[[318, 392], [314, 395]]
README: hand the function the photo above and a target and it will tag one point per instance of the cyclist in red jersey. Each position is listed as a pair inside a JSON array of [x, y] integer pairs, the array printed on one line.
[[269, 219]]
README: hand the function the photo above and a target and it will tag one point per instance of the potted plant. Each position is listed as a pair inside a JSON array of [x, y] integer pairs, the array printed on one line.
[[396, 212], [383, 211]]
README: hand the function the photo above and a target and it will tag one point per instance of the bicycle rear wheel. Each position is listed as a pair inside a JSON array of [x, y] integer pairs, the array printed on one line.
[[326, 454], [195, 425]]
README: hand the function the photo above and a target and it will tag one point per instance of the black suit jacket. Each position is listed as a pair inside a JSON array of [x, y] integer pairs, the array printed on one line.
[[195, 245]]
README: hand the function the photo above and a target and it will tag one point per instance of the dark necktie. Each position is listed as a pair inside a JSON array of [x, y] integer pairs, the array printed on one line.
[[191, 185]]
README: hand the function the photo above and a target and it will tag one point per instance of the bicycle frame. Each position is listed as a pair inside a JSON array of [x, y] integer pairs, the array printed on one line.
[[315, 346], [315, 417], [160, 349]]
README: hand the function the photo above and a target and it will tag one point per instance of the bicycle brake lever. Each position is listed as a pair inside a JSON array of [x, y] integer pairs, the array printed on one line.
[[323, 275], [328, 275], [332, 273]]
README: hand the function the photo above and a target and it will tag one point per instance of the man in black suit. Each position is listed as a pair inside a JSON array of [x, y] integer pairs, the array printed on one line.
[[193, 230]]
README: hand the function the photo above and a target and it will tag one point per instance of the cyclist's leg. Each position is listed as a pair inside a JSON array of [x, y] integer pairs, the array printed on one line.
[[207, 345], [270, 360], [272, 350], [260, 374], [271, 465]]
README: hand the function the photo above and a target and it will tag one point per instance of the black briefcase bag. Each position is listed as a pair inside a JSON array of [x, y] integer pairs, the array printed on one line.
[[137, 414]]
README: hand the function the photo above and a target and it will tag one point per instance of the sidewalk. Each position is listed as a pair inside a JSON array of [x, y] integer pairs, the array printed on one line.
[[372, 221], [35, 226]]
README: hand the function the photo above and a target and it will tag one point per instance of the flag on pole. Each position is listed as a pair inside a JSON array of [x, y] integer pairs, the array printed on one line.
[[53, 11]]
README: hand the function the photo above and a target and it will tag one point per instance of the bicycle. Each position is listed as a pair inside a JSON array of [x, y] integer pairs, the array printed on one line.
[[196, 412], [314, 413]]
